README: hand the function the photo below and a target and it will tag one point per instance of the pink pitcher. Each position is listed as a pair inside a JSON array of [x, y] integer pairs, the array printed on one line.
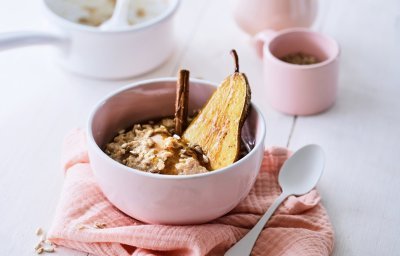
[[253, 16]]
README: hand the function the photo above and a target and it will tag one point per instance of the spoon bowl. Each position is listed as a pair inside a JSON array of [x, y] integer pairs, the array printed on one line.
[[301, 172]]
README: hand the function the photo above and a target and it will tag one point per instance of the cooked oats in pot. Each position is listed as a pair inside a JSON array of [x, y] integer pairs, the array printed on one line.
[[153, 147], [96, 12]]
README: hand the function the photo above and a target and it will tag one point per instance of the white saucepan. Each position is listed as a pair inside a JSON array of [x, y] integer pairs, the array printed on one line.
[[92, 52]]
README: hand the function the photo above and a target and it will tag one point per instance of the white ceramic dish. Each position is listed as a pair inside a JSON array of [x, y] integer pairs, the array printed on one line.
[[167, 199], [89, 51]]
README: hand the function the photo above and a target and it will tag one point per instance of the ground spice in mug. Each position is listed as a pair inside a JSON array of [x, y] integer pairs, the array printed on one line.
[[300, 58]]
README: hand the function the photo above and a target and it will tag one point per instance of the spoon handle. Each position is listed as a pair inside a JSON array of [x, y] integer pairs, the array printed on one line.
[[245, 245], [119, 18]]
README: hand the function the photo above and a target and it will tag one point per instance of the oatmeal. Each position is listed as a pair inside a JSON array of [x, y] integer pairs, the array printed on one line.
[[153, 147]]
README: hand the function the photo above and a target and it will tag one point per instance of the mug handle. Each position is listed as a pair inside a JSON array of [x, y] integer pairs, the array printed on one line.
[[9, 40], [261, 38]]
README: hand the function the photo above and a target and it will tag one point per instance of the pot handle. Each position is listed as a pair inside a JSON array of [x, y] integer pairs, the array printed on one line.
[[9, 40], [261, 38]]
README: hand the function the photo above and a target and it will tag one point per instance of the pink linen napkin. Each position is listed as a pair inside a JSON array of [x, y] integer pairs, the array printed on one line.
[[85, 220]]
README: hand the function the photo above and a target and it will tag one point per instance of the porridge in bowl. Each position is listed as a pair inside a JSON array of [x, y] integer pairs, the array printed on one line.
[[153, 147], [179, 199]]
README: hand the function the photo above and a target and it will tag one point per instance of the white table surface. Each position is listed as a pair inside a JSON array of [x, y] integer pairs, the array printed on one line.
[[39, 104]]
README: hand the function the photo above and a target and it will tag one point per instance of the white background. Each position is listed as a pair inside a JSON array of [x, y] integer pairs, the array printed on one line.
[[40, 103]]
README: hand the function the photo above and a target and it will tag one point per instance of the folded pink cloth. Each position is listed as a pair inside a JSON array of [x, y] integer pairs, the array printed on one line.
[[85, 220]]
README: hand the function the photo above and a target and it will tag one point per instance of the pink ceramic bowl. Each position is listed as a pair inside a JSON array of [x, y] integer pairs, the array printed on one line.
[[168, 199]]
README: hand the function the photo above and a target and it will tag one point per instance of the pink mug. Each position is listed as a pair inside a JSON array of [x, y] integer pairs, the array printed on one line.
[[299, 89]]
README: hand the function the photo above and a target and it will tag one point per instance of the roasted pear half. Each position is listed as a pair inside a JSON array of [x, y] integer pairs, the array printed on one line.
[[217, 128]]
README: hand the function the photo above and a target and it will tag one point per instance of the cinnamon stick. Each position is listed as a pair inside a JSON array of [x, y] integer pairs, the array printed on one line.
[[182, 101]]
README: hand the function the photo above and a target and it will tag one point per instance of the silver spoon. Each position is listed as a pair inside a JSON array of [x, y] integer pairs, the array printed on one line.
[[298, 175]]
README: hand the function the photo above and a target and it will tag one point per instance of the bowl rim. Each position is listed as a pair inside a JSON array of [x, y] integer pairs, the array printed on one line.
[[65, 23], [99, 152]]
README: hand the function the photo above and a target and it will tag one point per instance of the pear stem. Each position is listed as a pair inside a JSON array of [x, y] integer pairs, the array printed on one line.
[[236, 59]]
